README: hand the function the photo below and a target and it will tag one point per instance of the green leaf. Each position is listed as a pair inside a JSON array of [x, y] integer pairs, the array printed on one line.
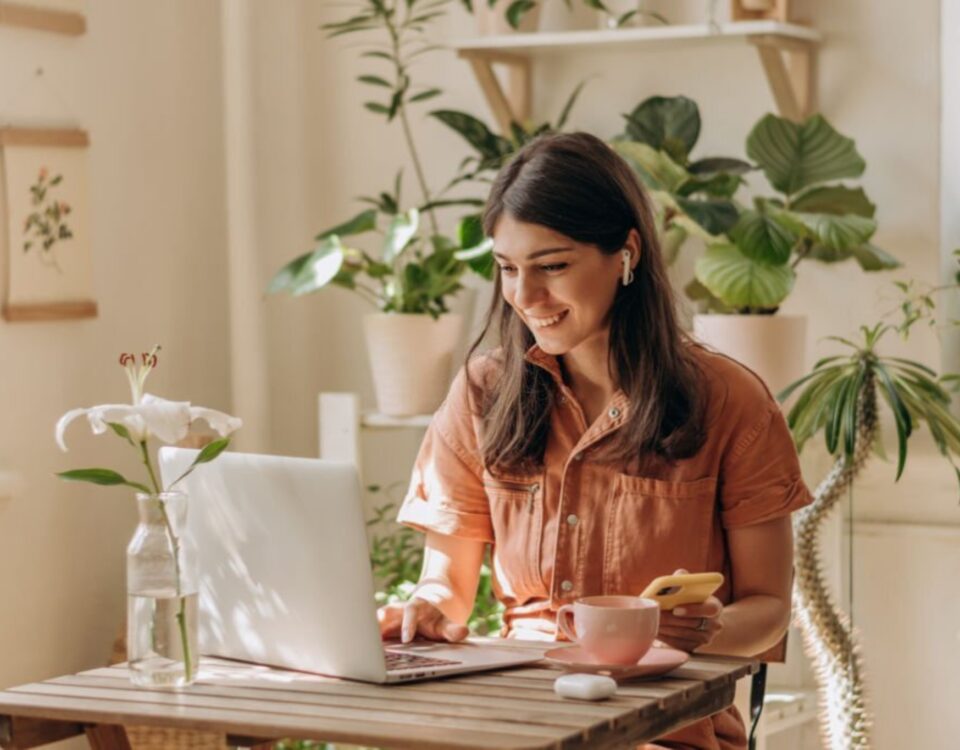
[[900, 413], [310, 271], [365, 221], [380, 109], [740, 282], [872, 258], [490, 146], [761, 238], [713, 166], [670, 124], [402, 229], [834, 199], [424, 95], [796, 156], [209, 452], [375, 81], [470, 231], [715, 216], [719, 185], [517, 10], [827, 254], [837, 232], [106, 477], [122, 431], [656, 169], [565, 112]]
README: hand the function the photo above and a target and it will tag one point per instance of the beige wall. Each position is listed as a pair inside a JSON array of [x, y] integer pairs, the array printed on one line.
[[145, 83]]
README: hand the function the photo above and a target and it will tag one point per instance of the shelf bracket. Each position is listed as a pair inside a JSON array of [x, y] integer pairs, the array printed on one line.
[[512, 105], [792, 80]]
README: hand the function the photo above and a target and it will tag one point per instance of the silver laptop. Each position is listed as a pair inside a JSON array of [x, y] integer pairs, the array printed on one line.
[[285, 575]]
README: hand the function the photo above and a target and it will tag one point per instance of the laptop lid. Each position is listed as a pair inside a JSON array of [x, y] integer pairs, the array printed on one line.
[[284, 571]]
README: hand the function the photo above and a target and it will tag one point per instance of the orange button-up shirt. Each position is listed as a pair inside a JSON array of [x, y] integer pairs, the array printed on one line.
[[579, 527]]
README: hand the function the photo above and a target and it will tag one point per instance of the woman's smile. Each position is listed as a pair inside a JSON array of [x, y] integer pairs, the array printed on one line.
[[539, 322]]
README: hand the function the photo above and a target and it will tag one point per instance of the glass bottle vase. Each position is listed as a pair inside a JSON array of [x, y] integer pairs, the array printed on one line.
[[162, 594]]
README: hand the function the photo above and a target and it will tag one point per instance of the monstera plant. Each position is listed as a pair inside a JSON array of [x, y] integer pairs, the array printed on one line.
[[812, 216]]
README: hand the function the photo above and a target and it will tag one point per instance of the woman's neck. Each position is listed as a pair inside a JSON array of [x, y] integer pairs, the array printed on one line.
[[586, 370]]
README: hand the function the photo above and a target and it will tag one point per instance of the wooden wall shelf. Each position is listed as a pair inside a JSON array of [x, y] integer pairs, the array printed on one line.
[[42, 19], [787, 54]]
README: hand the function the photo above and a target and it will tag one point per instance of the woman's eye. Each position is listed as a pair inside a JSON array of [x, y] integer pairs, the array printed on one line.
[[507, 269], [554, 267]]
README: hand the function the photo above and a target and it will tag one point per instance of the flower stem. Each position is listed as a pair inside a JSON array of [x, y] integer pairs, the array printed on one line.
[[175, 547]]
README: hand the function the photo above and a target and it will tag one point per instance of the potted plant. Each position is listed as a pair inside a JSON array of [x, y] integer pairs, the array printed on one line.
[[417, 268], [410, 280], [752, 251], [839, 398]]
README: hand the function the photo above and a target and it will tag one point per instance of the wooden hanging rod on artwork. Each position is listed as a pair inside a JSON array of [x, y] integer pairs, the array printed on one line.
[[62, 137], [42, 19]]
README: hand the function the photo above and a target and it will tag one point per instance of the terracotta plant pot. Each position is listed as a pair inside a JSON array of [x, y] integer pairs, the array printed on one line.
[[411, 357], [773, 346], [492, 21]]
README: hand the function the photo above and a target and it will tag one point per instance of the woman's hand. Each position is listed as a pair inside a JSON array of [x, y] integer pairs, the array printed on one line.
[[418, 617], [691, 626]]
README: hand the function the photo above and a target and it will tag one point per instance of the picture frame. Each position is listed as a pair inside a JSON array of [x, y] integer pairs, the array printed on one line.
[[56, 16], [45, 246]]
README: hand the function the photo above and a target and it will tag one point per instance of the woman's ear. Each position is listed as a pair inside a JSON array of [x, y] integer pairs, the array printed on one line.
[[635, 246]]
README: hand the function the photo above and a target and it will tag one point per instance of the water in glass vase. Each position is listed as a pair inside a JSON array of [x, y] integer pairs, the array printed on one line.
[[156, 639]]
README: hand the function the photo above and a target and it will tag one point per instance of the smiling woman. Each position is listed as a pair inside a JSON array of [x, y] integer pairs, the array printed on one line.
[[598, 448]]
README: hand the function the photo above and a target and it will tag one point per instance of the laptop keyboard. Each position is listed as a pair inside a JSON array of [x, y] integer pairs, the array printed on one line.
[[402, 660]]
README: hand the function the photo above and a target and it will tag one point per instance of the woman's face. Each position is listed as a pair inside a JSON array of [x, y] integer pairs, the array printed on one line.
[[562, 289]]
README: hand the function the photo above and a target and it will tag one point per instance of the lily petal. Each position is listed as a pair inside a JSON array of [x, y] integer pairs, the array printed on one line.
[[222, 423], [169, 421], [63, 423]]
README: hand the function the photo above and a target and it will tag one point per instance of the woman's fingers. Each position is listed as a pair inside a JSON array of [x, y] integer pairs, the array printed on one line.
[[390, 617], [418, 616]]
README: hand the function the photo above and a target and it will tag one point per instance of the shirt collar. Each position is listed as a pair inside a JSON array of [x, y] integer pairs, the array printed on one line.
[[619, 404]]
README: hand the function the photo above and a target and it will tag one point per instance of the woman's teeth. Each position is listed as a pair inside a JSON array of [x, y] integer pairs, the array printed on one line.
[[547, 322]]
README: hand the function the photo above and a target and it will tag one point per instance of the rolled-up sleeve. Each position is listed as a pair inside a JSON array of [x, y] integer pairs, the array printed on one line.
[[760, 477], [446, 493]]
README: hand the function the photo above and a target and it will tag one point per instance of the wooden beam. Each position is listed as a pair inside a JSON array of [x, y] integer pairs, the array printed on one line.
[[49, 311], [42, 19], [66, 137], [19, 733], [512, 105]]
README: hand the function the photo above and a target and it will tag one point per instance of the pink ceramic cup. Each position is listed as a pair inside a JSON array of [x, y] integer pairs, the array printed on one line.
[[611, 629]]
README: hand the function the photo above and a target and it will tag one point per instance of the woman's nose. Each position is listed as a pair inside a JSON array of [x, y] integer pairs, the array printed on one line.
[[527, 291]]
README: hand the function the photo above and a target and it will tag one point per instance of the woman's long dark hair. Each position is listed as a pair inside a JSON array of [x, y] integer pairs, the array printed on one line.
[[575, 184]]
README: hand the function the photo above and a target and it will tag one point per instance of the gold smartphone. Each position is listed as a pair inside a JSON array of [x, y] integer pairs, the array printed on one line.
[[684, 588]]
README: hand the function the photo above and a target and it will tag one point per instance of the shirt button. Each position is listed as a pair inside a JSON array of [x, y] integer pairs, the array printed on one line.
[[614, 412], [563, 399], [567, 585], [572, 519], [578, 457]]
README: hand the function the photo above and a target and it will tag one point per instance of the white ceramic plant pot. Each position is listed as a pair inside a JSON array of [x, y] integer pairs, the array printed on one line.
[[411, 357], [773, 346], [492, 21]]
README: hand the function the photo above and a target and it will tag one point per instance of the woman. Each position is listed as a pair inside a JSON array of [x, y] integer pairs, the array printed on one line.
[[598, 447]]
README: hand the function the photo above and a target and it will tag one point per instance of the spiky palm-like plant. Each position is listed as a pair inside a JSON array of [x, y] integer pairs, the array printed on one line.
[[839, 397]]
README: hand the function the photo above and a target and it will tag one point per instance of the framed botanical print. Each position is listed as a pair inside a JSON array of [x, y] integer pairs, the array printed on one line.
[[45, 245]]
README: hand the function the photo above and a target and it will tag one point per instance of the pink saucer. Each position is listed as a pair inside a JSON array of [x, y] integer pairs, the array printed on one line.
[[657, 661]]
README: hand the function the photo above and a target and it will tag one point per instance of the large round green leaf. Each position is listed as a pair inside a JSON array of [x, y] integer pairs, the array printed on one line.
[[872, 258], [714, 215], [795, 156], [657, 170], [667, 123], [760, 237], [741, 282], [837, 232], [835, 199]]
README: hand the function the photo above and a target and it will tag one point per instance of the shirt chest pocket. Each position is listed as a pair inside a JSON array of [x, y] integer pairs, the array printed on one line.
[[654, 528], [516, 512]]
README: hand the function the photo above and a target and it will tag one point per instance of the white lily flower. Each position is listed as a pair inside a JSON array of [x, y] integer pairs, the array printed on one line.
[[168, 421]]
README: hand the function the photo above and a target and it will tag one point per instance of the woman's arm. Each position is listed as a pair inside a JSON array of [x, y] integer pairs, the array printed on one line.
[[443, 599], [451, 571], [761, 561]]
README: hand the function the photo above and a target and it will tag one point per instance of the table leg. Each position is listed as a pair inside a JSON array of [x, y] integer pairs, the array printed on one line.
[[107, 737]]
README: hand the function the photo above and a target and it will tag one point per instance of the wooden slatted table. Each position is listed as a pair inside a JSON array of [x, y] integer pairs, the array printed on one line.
[[253, 705]]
